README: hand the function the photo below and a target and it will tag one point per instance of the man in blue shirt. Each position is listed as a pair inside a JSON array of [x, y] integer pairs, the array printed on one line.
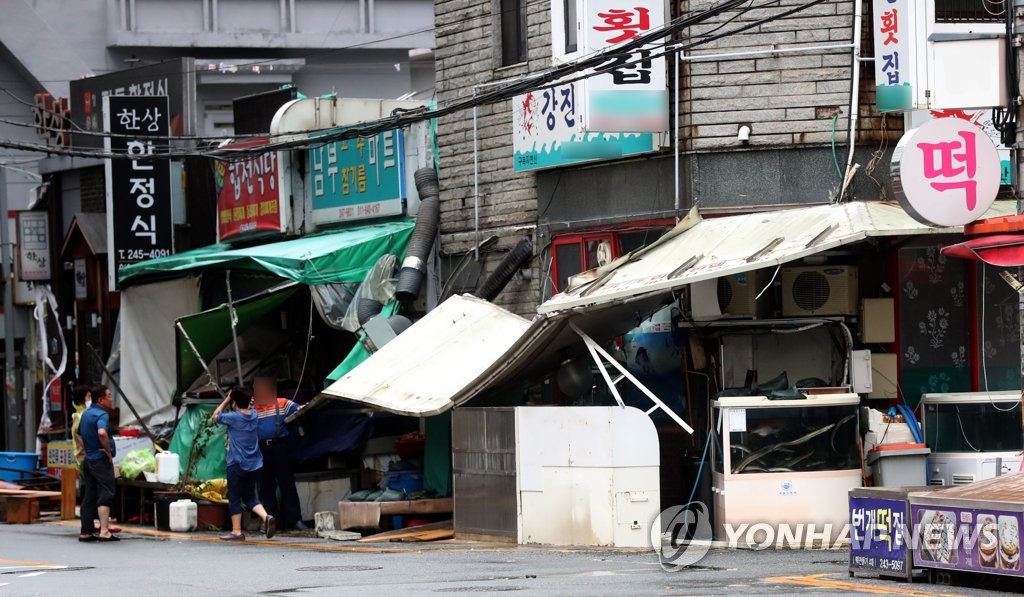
[[96, 436], [278, 467], [244, 461]]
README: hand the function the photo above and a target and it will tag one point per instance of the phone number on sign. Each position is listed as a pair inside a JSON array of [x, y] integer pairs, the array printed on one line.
[[139, 254], [879, 563]]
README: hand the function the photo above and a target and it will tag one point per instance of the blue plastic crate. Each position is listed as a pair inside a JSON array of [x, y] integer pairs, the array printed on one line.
[[15, 465]]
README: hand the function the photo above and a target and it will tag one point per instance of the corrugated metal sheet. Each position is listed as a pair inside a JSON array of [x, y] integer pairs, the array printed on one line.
[[423, 370], [484, 471], [710, 248]]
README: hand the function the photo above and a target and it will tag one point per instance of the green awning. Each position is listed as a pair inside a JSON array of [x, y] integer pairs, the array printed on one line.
[[325, 258], [210, 331], [358, 354]]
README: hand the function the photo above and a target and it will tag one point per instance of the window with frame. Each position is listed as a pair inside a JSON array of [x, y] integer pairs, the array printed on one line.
[[573, 254], [970, 11], [570, 26], [513, 31]]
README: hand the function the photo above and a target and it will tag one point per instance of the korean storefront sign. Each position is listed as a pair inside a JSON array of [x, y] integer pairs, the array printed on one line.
[[946, 172], [547, 131], [357, 179], [52, 117], [628, 93], [979, 118], [174, 78], [248, 192], [139, 212], [892, 25], [979, 539], [33, 246], [878, 536]]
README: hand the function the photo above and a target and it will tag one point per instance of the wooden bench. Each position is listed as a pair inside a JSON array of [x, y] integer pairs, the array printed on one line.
[[22, 506], [367, 515]]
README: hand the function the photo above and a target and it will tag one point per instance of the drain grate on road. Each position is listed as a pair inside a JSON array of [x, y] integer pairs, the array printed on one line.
[[699, 568], [477, 589], [337, 568]]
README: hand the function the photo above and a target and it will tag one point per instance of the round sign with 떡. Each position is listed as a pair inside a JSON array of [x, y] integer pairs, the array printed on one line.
[[946, 172]]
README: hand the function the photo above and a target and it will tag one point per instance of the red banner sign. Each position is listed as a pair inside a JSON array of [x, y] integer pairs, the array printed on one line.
[[248, 193]]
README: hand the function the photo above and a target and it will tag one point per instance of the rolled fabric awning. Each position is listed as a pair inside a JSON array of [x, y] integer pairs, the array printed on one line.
[[1004, 250]]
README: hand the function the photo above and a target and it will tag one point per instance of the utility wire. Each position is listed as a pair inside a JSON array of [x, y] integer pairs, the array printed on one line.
[[260, 149], [596, 64]]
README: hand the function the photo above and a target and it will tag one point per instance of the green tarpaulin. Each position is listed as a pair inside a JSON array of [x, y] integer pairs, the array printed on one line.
[[325, 258], [195, 429], [210, 331], [358, 354]]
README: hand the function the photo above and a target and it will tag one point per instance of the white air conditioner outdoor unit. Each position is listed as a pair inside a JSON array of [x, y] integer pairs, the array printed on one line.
[[824, 290], [737, 295]]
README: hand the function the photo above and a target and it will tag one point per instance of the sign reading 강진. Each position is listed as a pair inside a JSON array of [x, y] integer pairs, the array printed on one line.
[[357, 179], [547, 131], [248, 192], [140, 221], [629, 93], [946, 172]]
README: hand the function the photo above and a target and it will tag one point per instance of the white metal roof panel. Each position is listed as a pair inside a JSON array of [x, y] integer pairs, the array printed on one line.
[[425, 369], [716, 247]]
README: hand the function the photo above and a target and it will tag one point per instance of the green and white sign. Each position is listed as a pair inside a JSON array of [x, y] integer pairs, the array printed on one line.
[[357, 179]]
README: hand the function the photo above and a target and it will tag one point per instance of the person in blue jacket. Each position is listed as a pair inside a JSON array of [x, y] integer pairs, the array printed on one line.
[[244, 461]]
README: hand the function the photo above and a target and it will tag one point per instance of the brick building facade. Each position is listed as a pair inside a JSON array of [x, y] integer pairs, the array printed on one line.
[[797, 105]]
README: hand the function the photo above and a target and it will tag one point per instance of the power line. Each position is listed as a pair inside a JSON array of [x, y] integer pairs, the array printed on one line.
[[203, 138], [597, 63]]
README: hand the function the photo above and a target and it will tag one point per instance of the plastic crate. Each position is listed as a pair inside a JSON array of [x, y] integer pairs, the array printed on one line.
[[15, 465]]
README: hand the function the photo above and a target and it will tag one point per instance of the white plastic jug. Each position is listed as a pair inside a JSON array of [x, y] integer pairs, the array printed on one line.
[[167, 467], [184, 516]]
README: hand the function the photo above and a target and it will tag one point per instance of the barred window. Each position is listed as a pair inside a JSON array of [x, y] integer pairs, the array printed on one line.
[[970, 11]]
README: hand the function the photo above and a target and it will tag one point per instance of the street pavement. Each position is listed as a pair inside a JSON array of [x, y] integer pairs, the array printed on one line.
[[47, 559]]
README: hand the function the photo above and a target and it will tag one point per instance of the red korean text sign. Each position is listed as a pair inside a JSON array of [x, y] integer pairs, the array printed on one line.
[[248, 192], [946, 172]]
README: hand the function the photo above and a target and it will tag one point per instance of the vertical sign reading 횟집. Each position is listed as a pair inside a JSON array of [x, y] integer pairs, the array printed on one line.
[[140, 222]]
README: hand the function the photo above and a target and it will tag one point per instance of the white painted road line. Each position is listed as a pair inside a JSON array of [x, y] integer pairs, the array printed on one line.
[[31, 574]]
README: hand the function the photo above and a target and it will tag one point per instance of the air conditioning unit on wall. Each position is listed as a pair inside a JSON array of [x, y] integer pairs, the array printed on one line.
[[737, 295], [825, 290]]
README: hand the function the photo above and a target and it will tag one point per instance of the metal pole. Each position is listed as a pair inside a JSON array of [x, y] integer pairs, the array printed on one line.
[[678, 201], [28, 395], [234, 330], [1016, 155], [199, 357], [110, 376], [13, 406]]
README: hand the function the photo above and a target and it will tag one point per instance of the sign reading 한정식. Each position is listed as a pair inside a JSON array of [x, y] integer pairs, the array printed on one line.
[[140, 221]]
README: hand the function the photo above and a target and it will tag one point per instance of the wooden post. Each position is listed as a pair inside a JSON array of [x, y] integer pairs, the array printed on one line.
[[68, 493]]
